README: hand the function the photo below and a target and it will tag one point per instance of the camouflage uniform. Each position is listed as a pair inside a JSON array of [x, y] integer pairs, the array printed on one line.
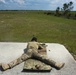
[[32, 52]]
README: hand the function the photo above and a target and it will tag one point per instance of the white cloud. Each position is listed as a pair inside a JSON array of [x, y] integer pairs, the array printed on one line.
[[3, 1], [19, 1]]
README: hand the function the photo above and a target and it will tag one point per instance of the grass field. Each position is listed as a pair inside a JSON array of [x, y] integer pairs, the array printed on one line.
[[20, 26]]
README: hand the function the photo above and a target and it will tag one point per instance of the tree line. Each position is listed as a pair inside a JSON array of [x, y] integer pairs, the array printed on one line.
[[64, 11]]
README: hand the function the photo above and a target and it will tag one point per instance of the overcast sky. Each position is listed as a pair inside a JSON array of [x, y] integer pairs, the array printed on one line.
[[33, 4]]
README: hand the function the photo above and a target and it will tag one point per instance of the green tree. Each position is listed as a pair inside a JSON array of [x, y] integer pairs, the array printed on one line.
[[67, 7], [57, 11], [70, 6]]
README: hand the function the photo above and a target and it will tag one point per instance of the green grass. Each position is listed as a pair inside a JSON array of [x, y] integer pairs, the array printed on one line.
[[20, 26]]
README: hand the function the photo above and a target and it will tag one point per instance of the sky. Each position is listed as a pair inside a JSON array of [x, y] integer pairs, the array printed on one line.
[[33, 4]]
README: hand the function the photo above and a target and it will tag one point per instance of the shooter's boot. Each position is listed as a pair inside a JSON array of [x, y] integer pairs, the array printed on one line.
[[59, 65], [4, 66]]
